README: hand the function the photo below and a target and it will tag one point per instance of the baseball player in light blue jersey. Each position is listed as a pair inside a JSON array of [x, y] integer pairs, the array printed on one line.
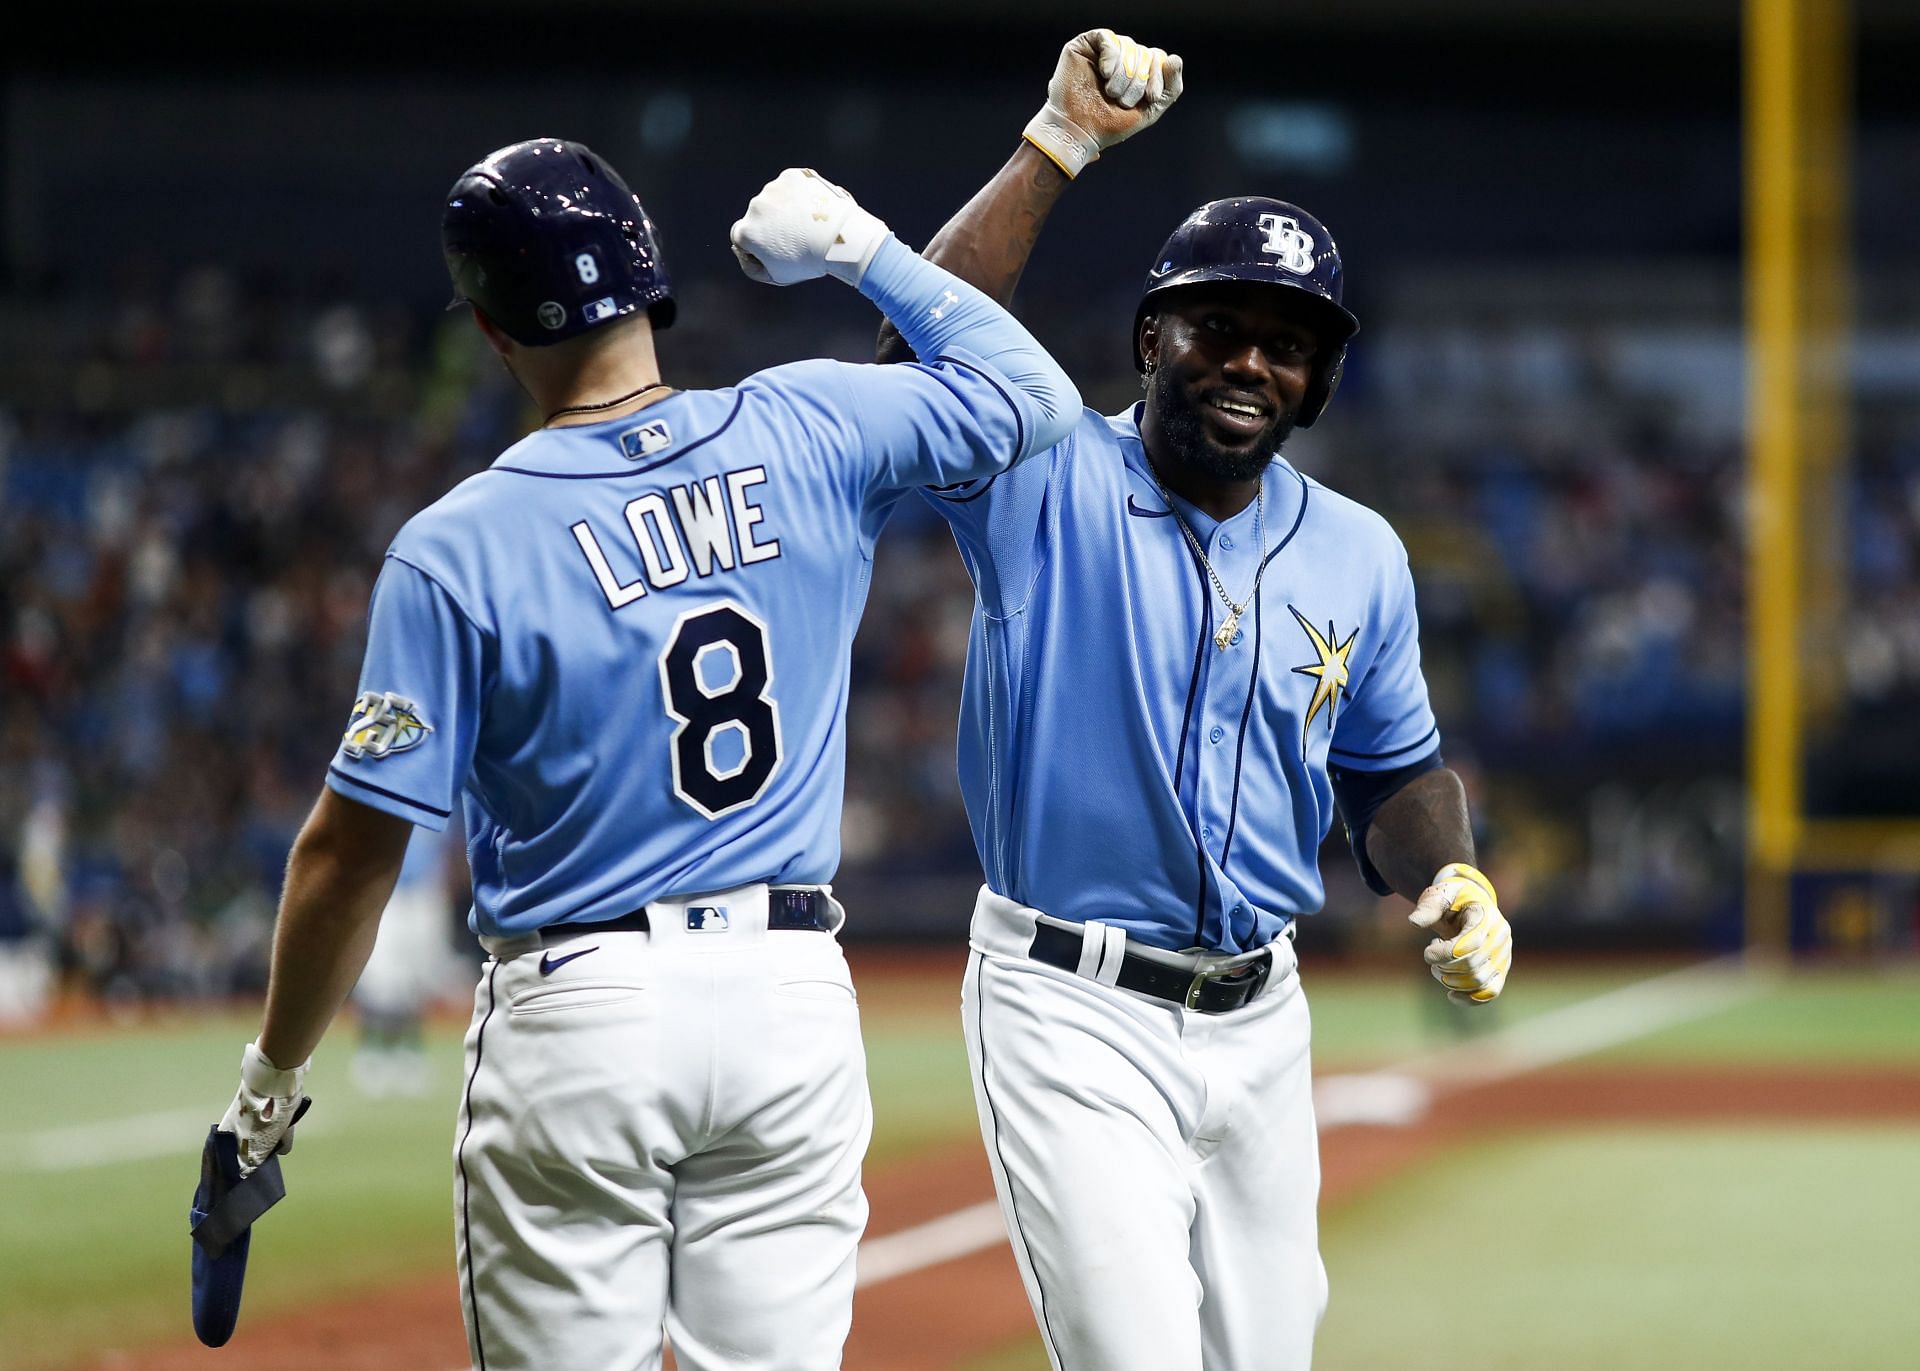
[[622, 650], [1186, 658]]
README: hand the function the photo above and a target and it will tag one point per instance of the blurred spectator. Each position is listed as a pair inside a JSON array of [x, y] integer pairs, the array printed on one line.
[[187, 544]]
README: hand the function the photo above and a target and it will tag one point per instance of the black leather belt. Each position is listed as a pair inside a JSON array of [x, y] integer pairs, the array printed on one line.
[[787, 911], [1207, 994]]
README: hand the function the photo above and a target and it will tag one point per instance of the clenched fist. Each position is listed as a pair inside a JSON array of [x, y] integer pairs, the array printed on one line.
[[1105, 89], [1474, 951], [801, 226]]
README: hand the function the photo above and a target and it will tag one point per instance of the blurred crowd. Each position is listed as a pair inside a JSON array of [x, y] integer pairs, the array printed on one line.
[[184, 575]]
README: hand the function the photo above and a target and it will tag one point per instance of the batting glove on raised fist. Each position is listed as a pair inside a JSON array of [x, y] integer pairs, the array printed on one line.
[[265, 1110], [1105, 89], [801, 226], [1474, 951]]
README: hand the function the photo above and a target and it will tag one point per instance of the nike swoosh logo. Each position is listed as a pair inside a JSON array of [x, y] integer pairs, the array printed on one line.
[[549, 963], [1140, 513]]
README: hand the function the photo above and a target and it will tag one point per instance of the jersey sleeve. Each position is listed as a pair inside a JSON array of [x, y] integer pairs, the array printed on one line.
[[950, 421], [1388, 723], [983, 396], [410, 739]]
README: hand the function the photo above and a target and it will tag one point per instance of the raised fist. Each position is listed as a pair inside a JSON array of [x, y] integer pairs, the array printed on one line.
[[1105, 89], [801, 226]]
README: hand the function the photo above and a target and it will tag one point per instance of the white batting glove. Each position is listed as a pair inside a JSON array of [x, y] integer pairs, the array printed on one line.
[[262, 1114], [1105, 89], [1474, 951], [801, 226]]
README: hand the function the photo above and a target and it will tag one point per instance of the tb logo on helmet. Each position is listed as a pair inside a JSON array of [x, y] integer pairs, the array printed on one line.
[[1289, 242]]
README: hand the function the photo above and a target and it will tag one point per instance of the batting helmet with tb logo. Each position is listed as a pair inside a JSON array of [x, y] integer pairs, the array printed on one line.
[[1265, 242]]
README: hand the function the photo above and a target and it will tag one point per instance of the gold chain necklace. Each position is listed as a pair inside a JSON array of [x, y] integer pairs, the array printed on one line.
[[1231, 625]]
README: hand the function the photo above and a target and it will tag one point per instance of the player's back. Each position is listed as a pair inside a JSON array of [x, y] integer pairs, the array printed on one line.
[[658, 609], [625, 645]]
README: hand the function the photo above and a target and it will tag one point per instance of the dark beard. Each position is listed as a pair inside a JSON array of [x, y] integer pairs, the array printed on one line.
[[1186, 432]]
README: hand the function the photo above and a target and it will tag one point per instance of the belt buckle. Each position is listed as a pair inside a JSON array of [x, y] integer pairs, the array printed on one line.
[[1200, 980]]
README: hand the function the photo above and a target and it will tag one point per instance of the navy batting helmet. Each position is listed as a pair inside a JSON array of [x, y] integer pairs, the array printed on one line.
[[548, 241], [1252, 238]]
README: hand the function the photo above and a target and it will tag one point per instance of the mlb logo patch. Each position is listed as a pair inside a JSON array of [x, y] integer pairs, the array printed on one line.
[[649, 438], [706, 918], [603, 308]]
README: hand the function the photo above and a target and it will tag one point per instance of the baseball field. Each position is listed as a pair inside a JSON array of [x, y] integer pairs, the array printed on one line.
[[1696, 1166]]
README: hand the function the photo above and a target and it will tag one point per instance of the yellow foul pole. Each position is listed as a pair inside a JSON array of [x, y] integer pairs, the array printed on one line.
[[1798, 314]]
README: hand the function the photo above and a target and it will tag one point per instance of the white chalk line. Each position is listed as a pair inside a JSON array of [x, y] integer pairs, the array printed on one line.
[[1401, 1094], [1637, 1010], [109, 1142], [933, 1243]]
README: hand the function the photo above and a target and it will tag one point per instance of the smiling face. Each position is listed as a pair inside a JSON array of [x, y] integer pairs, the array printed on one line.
[[1228, 366]]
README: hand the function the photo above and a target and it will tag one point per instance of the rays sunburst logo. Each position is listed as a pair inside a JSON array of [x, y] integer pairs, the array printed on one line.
[[1329, 670]]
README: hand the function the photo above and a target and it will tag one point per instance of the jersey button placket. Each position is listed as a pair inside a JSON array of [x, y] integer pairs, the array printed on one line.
[[1228, 679]]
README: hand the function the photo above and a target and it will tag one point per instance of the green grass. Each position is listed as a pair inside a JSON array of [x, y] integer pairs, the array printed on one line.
[[917, 1072], [1709, 1249], [1863, 1018], [96, 1256], [1371, 1018], [1856, 1018], [1021, 1354]]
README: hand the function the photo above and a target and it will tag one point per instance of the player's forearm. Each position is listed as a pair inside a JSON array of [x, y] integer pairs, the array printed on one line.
[[1419, 829], [988, 242], [339, 879]]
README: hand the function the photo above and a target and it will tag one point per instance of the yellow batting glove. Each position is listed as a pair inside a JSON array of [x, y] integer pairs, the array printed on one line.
[[1474, 949]]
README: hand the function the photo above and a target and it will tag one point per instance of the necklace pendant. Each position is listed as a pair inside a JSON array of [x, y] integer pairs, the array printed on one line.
[[1224, 638]]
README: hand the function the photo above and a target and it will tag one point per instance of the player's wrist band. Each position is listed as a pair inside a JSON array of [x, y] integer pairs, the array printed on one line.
[[1461, 871], [262, 1075], [1064, 143]]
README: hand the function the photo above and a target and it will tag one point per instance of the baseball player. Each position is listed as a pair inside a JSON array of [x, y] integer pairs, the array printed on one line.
[[1186, 656], [623, 651]]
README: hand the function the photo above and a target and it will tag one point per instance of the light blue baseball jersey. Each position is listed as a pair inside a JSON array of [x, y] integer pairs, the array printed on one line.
[[624, 646], [1117, 765]]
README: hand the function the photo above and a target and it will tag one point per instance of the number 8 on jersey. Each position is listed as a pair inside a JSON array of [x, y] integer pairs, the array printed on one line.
[[708, 711]]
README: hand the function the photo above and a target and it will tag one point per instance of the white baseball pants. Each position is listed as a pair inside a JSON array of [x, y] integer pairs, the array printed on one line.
[[1158, 1169], [663, 1131]]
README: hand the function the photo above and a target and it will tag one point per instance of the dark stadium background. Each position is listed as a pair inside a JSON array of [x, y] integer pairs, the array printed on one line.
[[225, 380]]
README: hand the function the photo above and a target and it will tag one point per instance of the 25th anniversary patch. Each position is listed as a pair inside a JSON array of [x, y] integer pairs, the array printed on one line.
[[382, 724]]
